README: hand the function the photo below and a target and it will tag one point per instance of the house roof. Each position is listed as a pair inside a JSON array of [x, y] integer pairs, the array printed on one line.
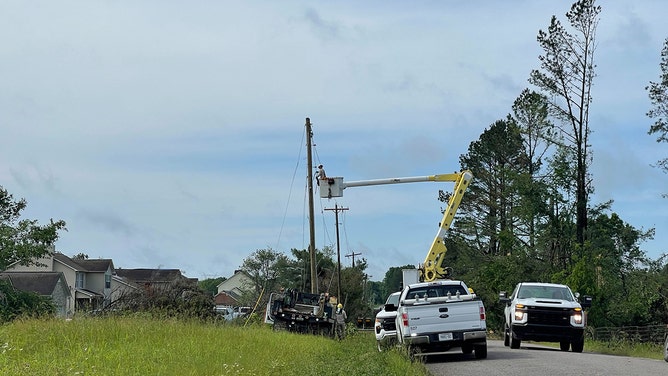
[[67, 261], [85, 265], [150, 275], [42, 283], [96, 265]]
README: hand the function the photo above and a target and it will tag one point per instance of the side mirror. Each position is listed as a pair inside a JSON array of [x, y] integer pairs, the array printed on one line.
[[586, 301], [390, 308], [503, 297]]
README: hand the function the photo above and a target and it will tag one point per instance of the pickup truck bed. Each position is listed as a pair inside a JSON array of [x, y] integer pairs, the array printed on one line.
[[434, 317]]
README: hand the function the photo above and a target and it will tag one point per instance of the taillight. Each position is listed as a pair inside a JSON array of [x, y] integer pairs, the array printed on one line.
[[482, 313], [404, 318]]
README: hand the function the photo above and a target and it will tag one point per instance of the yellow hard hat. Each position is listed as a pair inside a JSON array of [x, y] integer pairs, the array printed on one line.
[[340, 305]]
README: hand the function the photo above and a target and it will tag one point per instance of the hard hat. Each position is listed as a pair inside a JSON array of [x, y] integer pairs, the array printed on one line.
[[340, 305]]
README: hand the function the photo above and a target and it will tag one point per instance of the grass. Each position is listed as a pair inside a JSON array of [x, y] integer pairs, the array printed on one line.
[[145, 346]]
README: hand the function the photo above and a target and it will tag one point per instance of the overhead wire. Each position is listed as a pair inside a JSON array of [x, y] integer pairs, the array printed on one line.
[[287, 204]]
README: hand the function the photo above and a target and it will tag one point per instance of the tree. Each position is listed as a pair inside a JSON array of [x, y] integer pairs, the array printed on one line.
[[393, 280], [261, 268], [210, 285], [566, 75], [530, 115], [658, 95], [23, 240], [488, 211]]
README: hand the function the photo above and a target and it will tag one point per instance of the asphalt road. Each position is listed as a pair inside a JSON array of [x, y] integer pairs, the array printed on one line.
[[532, 359]]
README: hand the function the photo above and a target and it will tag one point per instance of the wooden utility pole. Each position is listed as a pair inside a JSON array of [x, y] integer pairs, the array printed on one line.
[[338, 248], [353, 256], [311, 221]]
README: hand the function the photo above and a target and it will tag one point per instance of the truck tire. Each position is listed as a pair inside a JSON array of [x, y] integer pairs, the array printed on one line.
[[564, 345], [514, 342], [578, 344], [481, 351], [506, 337], [665, 350]]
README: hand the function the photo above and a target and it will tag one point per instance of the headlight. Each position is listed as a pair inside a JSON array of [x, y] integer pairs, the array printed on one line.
[[577, 317], [520, 313]]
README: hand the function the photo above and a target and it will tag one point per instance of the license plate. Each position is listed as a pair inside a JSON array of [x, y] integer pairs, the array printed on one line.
[[445, 336]]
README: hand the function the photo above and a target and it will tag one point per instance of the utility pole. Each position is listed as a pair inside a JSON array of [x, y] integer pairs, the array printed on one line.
[[353, 256], [311, 221], [338, 248]]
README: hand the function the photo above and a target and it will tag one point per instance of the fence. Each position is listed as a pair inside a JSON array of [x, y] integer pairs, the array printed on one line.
[[651, 333]]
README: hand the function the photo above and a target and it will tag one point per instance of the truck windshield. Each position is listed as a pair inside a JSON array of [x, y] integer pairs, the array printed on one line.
[[436, 291], [545, 292], [393, 299]]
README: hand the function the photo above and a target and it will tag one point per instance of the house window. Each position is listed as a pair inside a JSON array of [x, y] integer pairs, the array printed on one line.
[[107, 281], [80, 280]]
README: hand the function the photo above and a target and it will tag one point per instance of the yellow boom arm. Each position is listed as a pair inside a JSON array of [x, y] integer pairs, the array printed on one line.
[[433, 267]]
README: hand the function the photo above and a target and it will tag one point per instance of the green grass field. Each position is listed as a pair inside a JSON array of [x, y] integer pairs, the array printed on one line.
[[145, 346]]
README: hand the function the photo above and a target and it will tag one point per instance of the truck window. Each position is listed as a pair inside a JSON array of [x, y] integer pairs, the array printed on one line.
[[436, 291], [545, 292]]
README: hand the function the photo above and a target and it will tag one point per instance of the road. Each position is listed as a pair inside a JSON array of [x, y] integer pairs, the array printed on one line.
[[539, 360]]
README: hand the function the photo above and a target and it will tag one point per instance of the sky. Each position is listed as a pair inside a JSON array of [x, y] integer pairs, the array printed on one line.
[[170, 134]]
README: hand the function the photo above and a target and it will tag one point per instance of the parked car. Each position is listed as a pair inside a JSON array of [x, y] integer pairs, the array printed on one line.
[[385, 327], [545, 312]]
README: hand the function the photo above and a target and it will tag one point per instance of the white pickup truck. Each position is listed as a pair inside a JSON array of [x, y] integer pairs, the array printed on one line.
[[433, 317], [544, 312], [385, 326]]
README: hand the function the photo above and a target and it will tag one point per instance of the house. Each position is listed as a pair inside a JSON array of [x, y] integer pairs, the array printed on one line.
[[90, 281], [231, 289], [46, 284]]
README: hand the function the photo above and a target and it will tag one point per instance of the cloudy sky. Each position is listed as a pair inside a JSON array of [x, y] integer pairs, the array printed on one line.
[[170, 134]]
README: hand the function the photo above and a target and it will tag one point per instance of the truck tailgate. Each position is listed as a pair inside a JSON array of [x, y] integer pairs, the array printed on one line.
[[453, 315]]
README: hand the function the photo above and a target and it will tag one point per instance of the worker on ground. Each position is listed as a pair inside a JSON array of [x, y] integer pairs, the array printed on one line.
[[341, 318]]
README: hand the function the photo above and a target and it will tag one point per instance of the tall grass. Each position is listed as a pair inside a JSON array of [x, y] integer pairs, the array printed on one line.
[[146, 346]]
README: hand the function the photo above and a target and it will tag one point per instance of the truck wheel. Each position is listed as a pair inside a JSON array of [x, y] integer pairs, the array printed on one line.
[[506, 337], [481, 351], [665, 350], [514, 342], [380, 348], [564, 345], [467, 348], [578, 344]]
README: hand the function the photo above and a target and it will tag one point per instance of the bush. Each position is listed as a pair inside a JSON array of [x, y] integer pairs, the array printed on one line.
[[14, 304]]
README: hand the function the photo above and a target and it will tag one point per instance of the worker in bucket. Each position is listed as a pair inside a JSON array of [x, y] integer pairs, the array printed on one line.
[[340, 317]]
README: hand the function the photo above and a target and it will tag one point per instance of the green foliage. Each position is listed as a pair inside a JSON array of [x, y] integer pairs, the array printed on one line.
[[210, 285], [658, 95], [179, 299], [15, 304], [23, 240], [566, 74], [393, 280], [150, 346]]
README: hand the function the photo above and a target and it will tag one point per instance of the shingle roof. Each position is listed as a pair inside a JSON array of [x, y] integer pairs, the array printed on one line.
[[85, 265], [42, 283], [150, 275], [68, 261], [96, 265]]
